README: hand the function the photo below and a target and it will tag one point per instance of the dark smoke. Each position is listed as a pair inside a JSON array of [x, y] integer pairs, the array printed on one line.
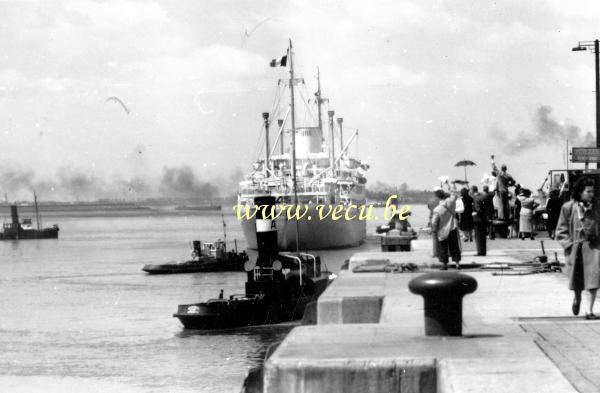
[[76, 184], [181, 182], [80, 184], [547, 132], [13, 176]]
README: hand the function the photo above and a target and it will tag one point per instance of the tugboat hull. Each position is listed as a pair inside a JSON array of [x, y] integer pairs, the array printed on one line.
[[241, 311], [24, 234], [205, 265]]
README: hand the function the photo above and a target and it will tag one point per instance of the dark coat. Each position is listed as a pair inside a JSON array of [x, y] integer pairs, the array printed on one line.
[[483, 206], [465, 222], [553, 210]]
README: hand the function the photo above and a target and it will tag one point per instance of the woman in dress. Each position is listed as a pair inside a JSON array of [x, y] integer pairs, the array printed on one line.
[[465, 221], [577, 232], [528, 205]]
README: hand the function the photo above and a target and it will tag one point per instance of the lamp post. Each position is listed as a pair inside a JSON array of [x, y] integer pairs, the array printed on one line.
[[593, 46]]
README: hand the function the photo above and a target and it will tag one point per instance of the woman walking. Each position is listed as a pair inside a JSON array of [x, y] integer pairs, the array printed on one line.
[[577, 232], [465, 222], [528, 205]]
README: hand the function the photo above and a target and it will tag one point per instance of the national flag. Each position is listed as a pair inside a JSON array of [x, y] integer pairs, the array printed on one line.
[[280, 62]]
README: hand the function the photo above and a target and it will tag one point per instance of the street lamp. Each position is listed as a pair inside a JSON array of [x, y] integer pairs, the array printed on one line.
[[594, 47]]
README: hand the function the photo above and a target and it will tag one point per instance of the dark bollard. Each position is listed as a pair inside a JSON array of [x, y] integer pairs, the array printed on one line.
[[442, 293]]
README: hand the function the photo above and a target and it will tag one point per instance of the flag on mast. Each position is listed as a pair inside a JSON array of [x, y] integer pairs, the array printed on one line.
[[280, 62]]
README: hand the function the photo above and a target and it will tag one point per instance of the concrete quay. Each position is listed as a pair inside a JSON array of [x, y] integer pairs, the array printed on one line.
[[518, 335]]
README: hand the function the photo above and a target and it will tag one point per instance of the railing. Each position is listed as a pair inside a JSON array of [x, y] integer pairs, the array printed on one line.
[[314, 262], [258, 272]]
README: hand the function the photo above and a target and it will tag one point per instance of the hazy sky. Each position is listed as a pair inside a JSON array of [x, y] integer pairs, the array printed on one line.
[[427, 83]]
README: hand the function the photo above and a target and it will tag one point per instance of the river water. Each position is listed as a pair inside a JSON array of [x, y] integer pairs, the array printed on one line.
[[78, 314]]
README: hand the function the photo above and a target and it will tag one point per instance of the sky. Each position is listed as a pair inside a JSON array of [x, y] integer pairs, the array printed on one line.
[[426, 84]]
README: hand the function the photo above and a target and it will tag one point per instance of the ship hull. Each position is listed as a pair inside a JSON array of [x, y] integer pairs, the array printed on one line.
[[241, 312], [30, 234], [315, 234], [206, 265]]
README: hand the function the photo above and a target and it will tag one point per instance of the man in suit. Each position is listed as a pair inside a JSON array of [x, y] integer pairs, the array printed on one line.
[[482, 204]]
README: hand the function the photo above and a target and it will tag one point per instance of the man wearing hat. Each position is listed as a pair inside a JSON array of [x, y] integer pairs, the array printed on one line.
[[444, 229]]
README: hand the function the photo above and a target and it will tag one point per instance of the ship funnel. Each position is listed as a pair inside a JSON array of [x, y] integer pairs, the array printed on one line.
[[14, 215], [331, 139], [266, 231], [340, 120]]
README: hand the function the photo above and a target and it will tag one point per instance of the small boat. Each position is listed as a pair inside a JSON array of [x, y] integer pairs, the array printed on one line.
[[279, 287], [206, 257], [396, 235], [200, 208], [16, 230]]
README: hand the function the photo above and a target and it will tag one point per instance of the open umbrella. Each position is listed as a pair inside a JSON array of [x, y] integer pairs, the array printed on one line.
[[461, 182], [465, 164]]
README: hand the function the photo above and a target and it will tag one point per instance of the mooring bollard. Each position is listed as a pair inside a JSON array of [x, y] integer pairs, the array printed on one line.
[[442, 293]]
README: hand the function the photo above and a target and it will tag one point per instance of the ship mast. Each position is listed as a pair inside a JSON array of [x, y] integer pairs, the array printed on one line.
[[319, 102], [37, 212], [294, 143]]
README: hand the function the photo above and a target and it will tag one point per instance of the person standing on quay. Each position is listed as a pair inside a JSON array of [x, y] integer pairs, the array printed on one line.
[[489, 209], [503, 181], [445, 229], [553, 205], [528, 205], [577, 232], [432, 203], [480, 218], [466, 216]]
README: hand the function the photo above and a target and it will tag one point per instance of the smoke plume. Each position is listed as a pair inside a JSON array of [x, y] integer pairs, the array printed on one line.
[[181, 182], [547, 132], [77, 184]]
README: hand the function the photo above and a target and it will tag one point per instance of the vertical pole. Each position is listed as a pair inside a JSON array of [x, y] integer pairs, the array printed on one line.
[[265, 116], [339, 121], [567, 154], [294, 144], [331, 139], [318, 94], [37, 212], [597, 61], [280, 123]]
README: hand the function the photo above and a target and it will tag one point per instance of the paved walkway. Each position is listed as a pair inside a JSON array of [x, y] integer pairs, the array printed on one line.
[[573, 346]]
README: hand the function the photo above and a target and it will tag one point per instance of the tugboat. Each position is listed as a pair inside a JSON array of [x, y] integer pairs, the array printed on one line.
[[397, 234], [206, 257], [278, 289], [16, 230]]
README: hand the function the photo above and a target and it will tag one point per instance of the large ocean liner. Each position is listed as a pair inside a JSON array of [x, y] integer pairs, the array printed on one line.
[[304, 167]]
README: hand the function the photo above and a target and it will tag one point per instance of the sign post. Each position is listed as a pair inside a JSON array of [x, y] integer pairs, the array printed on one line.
[[585, 155]]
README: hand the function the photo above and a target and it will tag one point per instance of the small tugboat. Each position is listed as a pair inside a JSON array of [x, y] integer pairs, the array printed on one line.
[[397, 234], [206, 257], [16, 230], [278, 289]]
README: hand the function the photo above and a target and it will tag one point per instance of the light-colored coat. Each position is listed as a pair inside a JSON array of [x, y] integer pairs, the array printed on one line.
[[569, 233], [444, 218]]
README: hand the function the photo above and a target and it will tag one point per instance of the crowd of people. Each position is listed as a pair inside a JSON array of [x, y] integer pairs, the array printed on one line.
[[572, 218]]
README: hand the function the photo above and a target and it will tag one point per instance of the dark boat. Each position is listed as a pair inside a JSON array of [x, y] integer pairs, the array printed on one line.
[[16, 230], [278, 288], [206, 257], [201, 208]]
